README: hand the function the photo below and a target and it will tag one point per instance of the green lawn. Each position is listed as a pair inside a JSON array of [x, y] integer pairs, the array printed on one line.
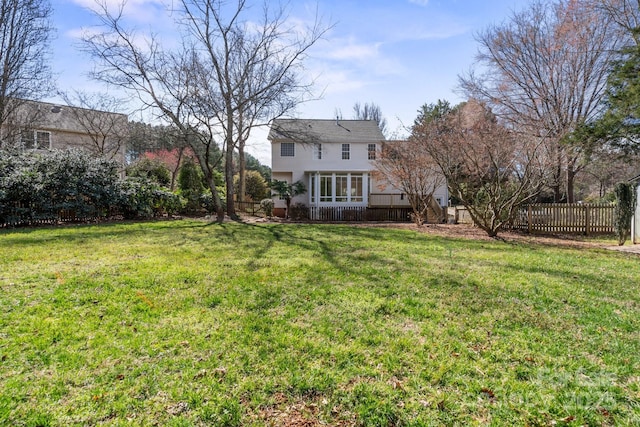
[[185, 323]]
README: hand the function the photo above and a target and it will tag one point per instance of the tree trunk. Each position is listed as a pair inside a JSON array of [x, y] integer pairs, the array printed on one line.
[[242, 183], [228, 166], [211, 183]]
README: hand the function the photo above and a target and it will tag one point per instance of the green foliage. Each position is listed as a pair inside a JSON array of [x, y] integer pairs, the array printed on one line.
[[299, 211], [143, 198], [287, 191], [38, 186], [153, 170], [267, 206], [625, 208], [190, 183], [256, 186], [619, 126]]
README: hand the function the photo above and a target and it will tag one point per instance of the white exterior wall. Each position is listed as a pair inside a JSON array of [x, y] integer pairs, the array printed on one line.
[[302, 165]]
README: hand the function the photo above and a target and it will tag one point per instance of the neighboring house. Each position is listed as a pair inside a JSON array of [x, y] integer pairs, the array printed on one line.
[[45, 126], [334, 160]]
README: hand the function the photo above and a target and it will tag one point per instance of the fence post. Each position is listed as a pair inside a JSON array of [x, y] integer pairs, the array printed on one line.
[[587, 220], [529, 218]]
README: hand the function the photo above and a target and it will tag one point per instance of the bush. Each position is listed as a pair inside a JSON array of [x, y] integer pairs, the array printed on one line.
[[151, 169], [72, 184], [39, 186], [299, 211], [143, 198], [267, 207], [255, 185], [190, 186]]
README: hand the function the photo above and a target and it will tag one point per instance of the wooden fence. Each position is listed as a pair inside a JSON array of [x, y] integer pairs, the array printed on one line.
[[359, 214], [576, 218], [21, 214]]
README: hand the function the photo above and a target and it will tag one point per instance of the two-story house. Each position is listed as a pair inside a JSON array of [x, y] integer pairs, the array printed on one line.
[[36, 125], [335, 161]]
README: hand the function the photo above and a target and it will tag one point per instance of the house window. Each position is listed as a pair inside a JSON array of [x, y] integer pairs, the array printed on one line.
[[35, 140], [346, 148], [287, 149], [317, 151], [342, 188], [371, 151], [312, 187], [356, 188], [326, 188]]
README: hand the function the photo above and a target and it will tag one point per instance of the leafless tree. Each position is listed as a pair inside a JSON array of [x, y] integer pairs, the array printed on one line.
[[370, 111], [229, 75], [99, 115], [407, 166], [545, 72], [626, 14], [489, 168], [25, 30]]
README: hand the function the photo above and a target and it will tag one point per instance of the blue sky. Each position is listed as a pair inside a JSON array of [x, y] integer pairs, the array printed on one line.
[[399, 54]]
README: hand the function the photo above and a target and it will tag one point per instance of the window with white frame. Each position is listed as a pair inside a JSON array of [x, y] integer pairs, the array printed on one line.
[[342, 188], [35, 139], [312, 188], [287, 149], [317, 151], [371, 151], [339, 188], [326, 188], [356, 188], [346, 151]]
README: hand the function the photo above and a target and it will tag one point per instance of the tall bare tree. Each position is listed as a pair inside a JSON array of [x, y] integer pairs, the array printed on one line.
[[25, 30], [489, 168], [370, 111], [545, 72], [230, 75]]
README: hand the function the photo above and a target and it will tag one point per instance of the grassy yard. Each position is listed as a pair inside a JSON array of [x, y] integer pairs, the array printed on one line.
[[185, 323]]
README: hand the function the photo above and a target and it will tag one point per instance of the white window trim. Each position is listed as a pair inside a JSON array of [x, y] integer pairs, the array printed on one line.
[[346, 151], [317, 151]]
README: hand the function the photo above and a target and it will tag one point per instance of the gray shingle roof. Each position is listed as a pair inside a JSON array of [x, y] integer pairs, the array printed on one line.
[[316, 130]]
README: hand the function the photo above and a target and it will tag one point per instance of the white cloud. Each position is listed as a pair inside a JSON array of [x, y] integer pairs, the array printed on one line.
[[141, 11], [419, 2], [351, 50]]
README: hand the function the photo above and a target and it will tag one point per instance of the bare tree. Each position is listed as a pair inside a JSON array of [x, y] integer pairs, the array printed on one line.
[[407, 166], [626, 14], [229, 75], [370, 111], [546, 72], [25, 30], [489, 168], [98, 115]]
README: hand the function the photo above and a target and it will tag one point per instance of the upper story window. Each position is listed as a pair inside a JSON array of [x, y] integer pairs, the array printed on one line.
[[35, 139], [317, 151], [371, 151], [346, 151], [287, 149]]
